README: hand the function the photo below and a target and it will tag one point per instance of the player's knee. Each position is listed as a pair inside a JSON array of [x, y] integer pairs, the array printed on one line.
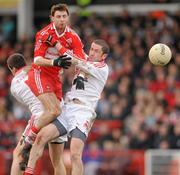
[[41, 139], [57, 163], [75, 157]]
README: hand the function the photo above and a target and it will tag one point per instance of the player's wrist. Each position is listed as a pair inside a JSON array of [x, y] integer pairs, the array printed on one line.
[[56, 62], [81, 75]]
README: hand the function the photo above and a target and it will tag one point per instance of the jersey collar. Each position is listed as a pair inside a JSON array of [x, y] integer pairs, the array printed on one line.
[[19, 70], [65, 30]]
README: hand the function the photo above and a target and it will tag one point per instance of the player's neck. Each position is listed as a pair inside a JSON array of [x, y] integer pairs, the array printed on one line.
[[16, 71], [60, 30]]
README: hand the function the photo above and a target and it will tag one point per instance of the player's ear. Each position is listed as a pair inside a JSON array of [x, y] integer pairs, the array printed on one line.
[[12, 69], [9, 67], [104, 56]]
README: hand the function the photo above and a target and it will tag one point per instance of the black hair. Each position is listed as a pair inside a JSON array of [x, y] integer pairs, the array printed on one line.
[[105, 47], [16, 60]]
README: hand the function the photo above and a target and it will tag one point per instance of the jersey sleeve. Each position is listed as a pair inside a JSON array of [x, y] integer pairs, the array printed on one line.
[[77, 47], [40, 46], [92, 69]]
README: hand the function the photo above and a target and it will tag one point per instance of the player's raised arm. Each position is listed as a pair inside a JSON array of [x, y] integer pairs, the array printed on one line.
[[40, 50], [62, 61]]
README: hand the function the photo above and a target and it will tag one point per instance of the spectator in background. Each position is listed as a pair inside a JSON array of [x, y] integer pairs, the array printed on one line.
[[8, 27], [7, 129], [3, 83], [175, 137]]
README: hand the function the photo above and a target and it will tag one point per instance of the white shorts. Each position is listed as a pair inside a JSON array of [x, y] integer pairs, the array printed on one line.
[[60, 139], [77, 116]]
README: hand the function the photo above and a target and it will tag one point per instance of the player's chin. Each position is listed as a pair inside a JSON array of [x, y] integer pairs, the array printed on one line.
[[61, 26]]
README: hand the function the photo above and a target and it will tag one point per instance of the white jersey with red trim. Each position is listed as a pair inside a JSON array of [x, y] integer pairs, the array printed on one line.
[[21, 91], [96, 75]]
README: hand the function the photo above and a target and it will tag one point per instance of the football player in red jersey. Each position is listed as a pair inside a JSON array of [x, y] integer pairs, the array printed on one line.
[[44, 76], [44, 79]]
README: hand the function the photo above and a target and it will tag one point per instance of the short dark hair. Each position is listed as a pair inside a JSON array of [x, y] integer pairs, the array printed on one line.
[[16, 60], [105, 46], [59, 7]]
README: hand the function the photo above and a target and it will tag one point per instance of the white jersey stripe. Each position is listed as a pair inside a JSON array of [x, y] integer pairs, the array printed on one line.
[[38, 81]]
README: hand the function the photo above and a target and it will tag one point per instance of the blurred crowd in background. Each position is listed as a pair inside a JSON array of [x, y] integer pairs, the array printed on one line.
[[143, 99]]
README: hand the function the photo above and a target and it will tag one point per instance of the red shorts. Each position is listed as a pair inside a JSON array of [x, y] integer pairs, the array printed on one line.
[[40, 82]]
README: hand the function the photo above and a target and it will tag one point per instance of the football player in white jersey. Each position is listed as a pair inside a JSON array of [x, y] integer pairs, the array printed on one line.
[[78, 113], [21, 91]]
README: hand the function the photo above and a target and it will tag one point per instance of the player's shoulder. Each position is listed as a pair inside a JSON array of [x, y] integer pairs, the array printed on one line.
[[13, 79], [101, 64], [46, 29], [23, 71], [104, 71], [71, 32], [102, 68]]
